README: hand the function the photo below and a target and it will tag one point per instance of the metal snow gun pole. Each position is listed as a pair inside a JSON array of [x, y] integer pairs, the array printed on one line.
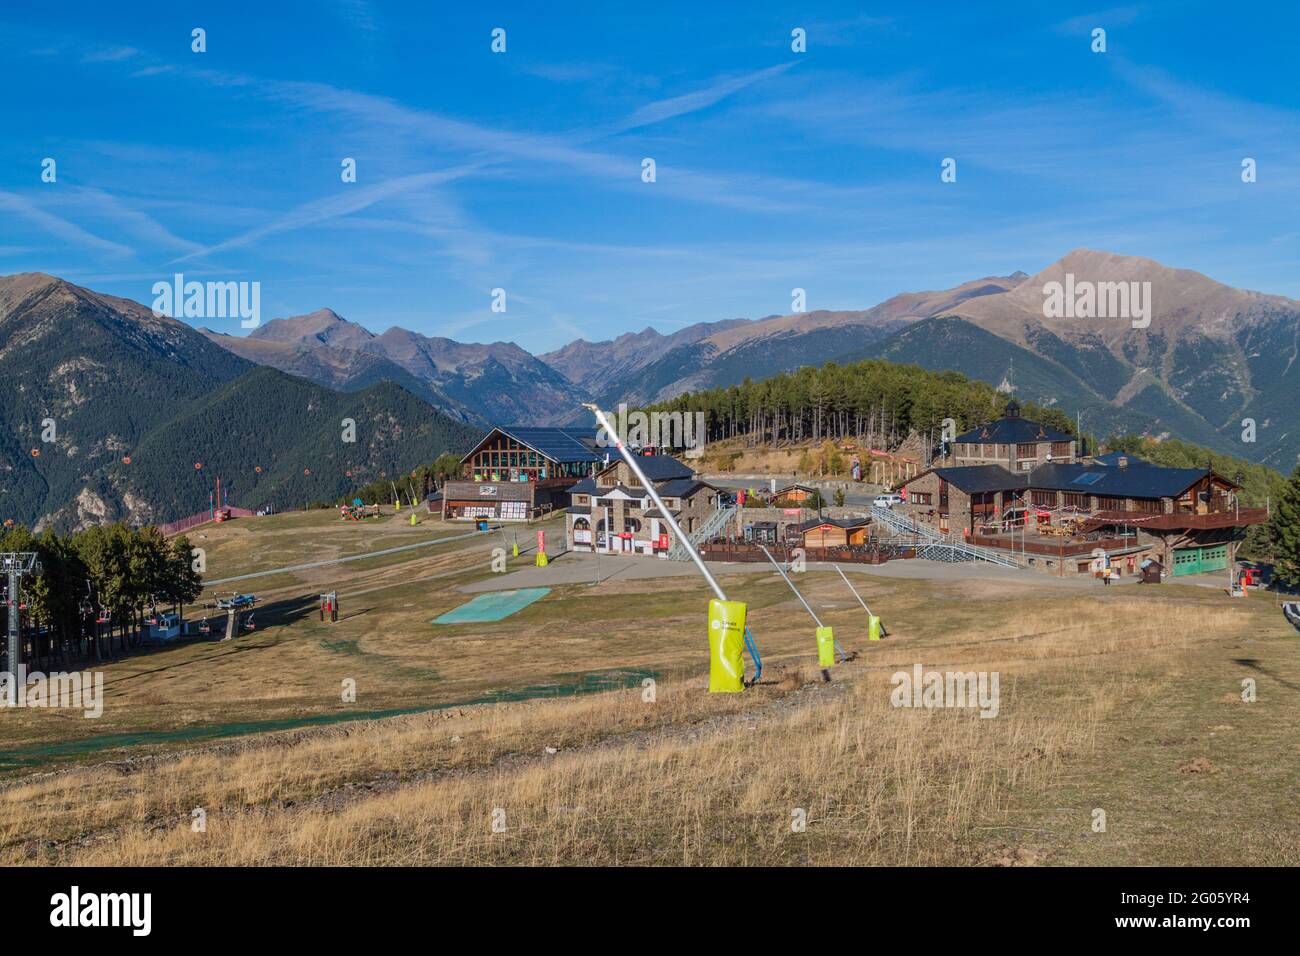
[[727, 633], [826, 643], [874, 627]]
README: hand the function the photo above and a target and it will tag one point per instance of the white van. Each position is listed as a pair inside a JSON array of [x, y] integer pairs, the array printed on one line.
[[887, 501]]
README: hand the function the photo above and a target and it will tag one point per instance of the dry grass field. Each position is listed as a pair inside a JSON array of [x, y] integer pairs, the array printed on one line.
[[1126, 700]]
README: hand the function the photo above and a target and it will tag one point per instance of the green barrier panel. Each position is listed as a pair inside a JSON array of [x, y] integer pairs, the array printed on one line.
[[873, 628], [726, 643], [825, 647]]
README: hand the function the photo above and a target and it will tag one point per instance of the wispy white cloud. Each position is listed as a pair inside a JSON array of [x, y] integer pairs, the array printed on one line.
[[110, 54], [59, 227], [133, 220], [696, 100], [318, 211]]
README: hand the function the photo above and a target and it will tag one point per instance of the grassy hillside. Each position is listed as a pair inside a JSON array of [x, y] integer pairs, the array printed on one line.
[[1144, 720], [293, 432]]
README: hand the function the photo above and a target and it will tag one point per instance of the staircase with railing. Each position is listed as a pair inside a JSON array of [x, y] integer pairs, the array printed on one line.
[[933, 545], [712, 526]]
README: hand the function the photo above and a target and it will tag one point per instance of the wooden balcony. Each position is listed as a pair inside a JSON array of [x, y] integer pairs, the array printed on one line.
[[1052, 548], [1239, 518]]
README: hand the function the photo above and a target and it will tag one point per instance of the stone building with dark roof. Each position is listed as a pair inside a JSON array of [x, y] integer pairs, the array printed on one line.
[[611, 512], [1013, 443], [1023, 490]]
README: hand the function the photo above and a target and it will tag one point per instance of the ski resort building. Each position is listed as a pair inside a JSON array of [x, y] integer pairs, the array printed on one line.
[[1013, 443], [516, 473], [821, 533], [612, 513], [1056, 511]]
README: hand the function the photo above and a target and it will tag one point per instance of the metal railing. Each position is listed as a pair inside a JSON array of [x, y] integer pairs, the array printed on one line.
[[935, 545], [712, 525]]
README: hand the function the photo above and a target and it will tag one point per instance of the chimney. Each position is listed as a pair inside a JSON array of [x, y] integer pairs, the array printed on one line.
[[1122, 461]]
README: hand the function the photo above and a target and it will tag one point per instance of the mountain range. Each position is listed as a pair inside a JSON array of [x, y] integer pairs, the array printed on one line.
[[1215, 365], [109, 412], [475, 383]]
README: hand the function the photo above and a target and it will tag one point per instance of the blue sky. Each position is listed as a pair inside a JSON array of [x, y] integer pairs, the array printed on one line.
[[522, 170]]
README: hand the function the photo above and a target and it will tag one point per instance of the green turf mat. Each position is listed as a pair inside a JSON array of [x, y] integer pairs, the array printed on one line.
[[492, 607]]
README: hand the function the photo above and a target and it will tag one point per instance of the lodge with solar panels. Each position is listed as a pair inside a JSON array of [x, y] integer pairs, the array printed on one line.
[[517, 473], [1022, 487]]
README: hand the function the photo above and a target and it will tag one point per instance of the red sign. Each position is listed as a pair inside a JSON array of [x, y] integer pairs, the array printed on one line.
[[541, 541], [663, 540]]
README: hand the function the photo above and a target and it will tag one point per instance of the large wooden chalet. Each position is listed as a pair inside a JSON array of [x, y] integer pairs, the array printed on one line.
[[515, 473], [1018, 485]]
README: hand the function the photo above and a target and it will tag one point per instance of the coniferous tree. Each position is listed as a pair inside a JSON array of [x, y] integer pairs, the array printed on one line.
[[1284, 533]]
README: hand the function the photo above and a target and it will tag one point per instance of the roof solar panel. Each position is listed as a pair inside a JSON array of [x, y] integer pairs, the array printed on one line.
[[557, 444], [1087, 478]]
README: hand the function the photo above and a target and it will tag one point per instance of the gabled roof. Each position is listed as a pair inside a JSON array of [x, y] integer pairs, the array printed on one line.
[[845, 523], [636, 494], [680, 487], [587, 486], [656, 467], [656, 513], [974, 479], [560, 445], [795, 487], [1012, 430]]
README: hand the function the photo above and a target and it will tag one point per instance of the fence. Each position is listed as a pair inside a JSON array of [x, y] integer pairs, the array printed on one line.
[[849, 554], [201, 517]]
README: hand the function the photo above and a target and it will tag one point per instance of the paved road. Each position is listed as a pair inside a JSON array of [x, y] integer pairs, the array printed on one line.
[[579, 567]]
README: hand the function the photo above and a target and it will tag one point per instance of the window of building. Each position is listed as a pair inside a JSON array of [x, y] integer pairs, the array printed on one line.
[[1045, 499], [922, 498], [1074, 500], [1027, 450], [1060, 449], [1110, 503]]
